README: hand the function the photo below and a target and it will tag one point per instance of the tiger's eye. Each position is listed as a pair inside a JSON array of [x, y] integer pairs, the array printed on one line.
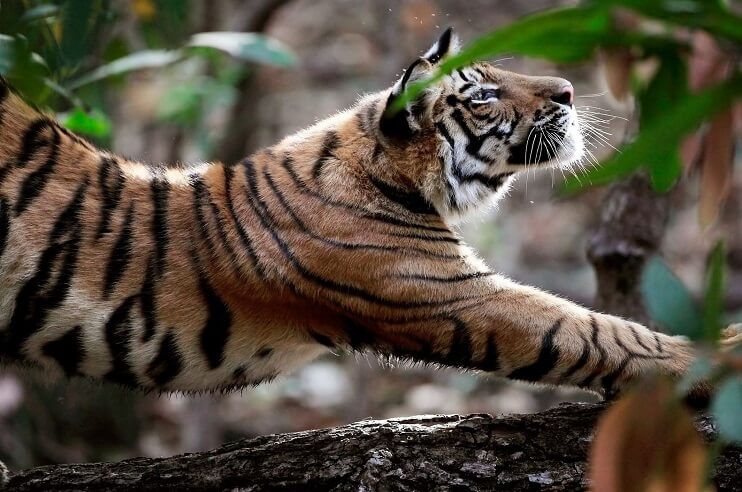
[[485, 95]]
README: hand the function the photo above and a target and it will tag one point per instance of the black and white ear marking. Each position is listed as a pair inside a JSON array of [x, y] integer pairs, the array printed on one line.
[[404, 123], [447, 44]]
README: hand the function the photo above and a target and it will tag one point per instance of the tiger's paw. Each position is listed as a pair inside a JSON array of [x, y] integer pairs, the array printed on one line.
[[699, 397]]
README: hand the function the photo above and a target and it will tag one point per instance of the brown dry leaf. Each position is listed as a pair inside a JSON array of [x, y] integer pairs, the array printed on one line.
[[716, 168], [646, 442], [617, 64]]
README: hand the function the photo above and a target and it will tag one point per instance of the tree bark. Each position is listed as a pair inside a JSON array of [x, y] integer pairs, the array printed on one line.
[[538, 452], [632, 223]]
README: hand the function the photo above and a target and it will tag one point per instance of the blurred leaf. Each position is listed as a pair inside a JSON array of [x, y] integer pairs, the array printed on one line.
[[668, 301], [712, 16], [617, 65], [726, 407], [661, 139], [39, 12], [23, 68], [246, 46], [700, 370], [93, 123], [136, 61], [647, 442], [182, 103], [716, 167], [714, 298], [76, 21]]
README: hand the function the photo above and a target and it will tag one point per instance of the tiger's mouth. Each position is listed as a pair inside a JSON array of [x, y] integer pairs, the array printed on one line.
[[549, 143], [539, 147]]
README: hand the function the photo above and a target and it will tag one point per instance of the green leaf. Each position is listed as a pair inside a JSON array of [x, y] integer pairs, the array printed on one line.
[[25, 69], [712, 16], [714, 298], [659, 141], [93, 123], [136, 61], [668, 301], [726, 407], [700, 370], [39, 12], [76, 20], [246, 46]]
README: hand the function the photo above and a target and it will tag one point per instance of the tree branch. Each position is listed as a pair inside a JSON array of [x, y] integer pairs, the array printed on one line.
[[544, 452]]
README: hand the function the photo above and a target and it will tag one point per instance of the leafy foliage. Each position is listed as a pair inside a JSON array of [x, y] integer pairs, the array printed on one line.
[[55, 52]]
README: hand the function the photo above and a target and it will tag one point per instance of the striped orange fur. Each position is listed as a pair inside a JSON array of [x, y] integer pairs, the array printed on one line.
[[225, 275]]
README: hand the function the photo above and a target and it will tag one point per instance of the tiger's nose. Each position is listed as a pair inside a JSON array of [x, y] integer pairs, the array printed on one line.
[[565, 95]]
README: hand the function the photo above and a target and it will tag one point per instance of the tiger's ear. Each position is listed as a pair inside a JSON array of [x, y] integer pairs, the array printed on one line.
[[405, 122]]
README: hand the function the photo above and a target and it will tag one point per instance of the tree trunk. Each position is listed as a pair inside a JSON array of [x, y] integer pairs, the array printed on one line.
[[538, 452]]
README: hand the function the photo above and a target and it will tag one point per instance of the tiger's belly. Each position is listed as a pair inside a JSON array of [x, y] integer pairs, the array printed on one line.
[[120, 340]]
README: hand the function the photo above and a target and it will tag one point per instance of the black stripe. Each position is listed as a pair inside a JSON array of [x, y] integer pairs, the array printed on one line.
[[656, 337], [633, 353], [410, 200], [160, 190], [462, 75], [264, 352], [321, 339], [638, 339], [587, 382], [359, 337], [287, 164], [609, 380], [35, 182], [479, 71], [261, 211], [199, 198], [329, 144], [168, 362], [32, 141], [4, 225], [580, 363], [241, 232], [148, 302], [462, 277], [547, 358], [41, 294], [68, 350], [460, 353], [118, 334], [217, 328], [491, 360], [465, 87], [120, 256], [111, 182], [475, 142], [4, 90], [341, 244], [420, 237], [491, 182]]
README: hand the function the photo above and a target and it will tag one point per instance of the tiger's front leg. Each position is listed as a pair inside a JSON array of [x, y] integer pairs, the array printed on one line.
[[525, 334]]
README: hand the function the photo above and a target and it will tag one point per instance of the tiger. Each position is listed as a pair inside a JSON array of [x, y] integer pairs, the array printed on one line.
[[343, 236]]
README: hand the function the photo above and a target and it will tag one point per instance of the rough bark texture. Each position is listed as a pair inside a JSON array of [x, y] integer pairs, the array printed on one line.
[[632, 223], [540, 452]]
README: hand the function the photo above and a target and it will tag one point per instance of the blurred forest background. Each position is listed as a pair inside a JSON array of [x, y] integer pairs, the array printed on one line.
[[220, 107]]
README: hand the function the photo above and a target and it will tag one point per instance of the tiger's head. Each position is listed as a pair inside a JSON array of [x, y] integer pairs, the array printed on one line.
[[485, 124]]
